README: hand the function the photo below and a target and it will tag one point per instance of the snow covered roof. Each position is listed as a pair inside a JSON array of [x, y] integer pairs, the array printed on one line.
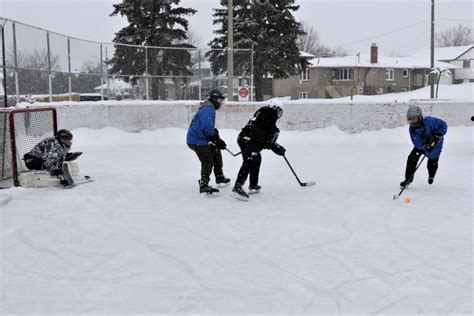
[[443, 53], [363, 61], [306, 55], [204, 65], [115, 85]]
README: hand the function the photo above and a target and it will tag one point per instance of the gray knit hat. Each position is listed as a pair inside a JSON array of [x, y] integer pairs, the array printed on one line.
[[414, 111]]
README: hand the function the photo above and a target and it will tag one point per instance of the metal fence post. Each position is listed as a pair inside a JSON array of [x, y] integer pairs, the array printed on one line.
[[101, 76], [147, 78], [69, 67], [251, 72], [200, 75], [50, 83], [15, 61]]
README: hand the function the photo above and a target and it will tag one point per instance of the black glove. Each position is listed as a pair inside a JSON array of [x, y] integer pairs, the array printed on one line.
[[432, 143], [220, 144], [278, 149], [72, 156]]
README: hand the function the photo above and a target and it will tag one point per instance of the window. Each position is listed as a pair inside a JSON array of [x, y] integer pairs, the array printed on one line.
[[466, 64], [405, 73], [403, 89], [343, 74], [304, 75], [379, 90], [389, 72], [304, 95]]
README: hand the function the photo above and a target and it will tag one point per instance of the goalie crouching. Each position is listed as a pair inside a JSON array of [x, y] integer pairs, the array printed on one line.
[[51, 154]]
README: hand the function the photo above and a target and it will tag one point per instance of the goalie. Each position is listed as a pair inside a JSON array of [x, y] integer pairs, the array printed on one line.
[[50, 154]]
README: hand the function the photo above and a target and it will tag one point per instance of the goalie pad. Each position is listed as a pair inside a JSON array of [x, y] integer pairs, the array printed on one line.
[[42, 178]]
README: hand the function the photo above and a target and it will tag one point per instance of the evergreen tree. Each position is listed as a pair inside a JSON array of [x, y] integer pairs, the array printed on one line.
[[268, 26], [158, 23]]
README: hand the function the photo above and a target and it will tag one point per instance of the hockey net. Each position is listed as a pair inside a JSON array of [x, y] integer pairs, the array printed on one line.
[[21, 130]]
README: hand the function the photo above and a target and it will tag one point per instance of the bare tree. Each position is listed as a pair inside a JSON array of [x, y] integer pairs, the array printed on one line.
[[311, 43], [455, 36]]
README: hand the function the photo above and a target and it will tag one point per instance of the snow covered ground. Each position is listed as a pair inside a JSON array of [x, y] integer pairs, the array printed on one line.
[[140, 239]]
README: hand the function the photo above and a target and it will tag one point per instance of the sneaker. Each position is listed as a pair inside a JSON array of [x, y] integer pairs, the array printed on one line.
[[253, 189], [239, 193], [222, 181], [405, 183], [205, 188], [430, 180]]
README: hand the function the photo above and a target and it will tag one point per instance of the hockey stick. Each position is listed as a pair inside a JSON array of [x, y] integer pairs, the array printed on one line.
[[232, 152], [303, 184], [395, 196]]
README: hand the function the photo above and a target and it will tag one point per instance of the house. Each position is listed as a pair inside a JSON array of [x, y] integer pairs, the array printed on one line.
[[462, 56], [366, 74]]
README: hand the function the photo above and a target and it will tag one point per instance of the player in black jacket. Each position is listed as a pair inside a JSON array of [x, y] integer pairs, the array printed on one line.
[[260, 133]]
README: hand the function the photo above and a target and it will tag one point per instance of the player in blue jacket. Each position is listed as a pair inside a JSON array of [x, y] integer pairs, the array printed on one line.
[[427, 135], [203, 138]]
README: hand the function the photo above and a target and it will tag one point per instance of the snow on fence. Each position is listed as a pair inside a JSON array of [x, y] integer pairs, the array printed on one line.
[[349, 117]]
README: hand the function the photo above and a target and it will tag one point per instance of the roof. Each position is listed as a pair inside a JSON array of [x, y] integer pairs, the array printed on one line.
[[444, 53], [306, 55], [363, 61]]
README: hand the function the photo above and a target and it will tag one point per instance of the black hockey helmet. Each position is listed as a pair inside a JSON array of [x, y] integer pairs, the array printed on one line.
[[65, 137], [216, 97]]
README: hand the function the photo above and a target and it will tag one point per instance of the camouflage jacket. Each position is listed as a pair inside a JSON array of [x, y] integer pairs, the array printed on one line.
[[52, 152]]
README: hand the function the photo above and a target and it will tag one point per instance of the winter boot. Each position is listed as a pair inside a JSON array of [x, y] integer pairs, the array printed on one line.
[[222, 181], [205, 188], [253, 189], [239, 193], [430, 180]]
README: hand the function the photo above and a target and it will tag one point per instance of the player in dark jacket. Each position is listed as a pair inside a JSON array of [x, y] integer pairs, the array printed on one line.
[[50, 154], [260, 133], [427, 135], [203, 138]]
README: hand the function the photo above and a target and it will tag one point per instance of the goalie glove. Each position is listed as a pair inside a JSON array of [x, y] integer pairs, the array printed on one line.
[[72, 156]]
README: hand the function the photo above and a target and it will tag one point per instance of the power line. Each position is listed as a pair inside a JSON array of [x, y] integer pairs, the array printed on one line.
[[460, 20], [380, 35]]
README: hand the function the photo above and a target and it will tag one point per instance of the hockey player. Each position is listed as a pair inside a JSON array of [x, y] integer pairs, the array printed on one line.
[[427, 136], [260, 133], [203, 138], [50, 154]]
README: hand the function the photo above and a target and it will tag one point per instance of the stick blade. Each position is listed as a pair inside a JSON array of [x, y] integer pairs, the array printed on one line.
[[308, 184], [396, 196]]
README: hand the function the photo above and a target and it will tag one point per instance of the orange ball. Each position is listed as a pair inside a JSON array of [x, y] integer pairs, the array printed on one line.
[[407, 199]]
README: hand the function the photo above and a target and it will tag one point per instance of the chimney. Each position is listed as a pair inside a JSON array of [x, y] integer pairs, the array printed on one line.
[[374, 54]]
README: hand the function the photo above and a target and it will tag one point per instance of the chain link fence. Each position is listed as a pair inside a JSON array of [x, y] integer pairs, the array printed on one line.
[[45, 66]]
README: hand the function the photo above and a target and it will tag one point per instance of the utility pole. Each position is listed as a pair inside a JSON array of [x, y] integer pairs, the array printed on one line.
[[230, 50], [432, 84]]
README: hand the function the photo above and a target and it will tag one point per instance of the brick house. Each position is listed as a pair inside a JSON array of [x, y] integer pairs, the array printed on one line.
[[366, 74]]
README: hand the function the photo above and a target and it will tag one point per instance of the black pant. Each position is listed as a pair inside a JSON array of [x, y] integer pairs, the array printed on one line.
[[252, 160], [412, 161], [33, 163], [210, 156]]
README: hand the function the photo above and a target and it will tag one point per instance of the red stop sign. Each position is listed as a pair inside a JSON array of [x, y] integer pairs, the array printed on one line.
[[243, 92]]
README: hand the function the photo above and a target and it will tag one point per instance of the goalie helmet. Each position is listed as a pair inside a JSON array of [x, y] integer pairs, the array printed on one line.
[[65, 137]]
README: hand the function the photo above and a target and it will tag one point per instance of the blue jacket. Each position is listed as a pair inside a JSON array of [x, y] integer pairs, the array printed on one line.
[[421, 136], [201, 129]]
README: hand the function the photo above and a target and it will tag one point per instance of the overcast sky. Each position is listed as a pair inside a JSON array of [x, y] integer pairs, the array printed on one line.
[[401, 26]]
